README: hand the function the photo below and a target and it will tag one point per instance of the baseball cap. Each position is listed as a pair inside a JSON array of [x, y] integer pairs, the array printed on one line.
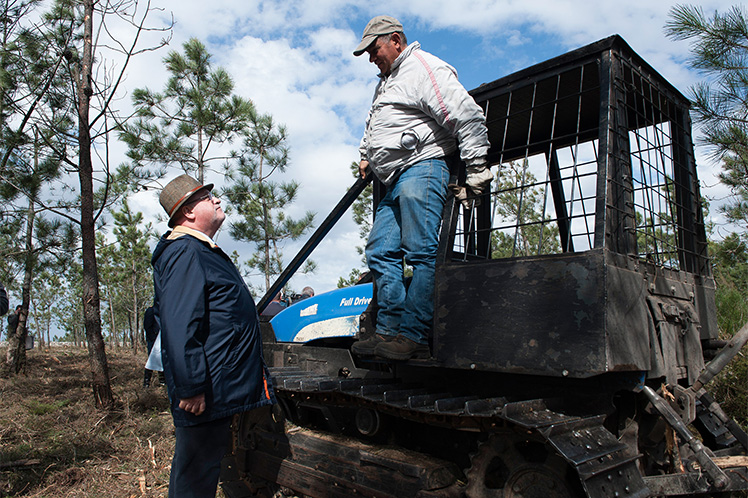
[[378, 26]]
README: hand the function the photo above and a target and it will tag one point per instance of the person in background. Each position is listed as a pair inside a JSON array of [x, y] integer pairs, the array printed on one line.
[[13, 321], [150, 326], [211, 346], [275, 306], [3, 300]]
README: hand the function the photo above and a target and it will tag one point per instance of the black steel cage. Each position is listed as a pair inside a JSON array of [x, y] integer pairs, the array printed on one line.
[[589, 254], [593, 150]]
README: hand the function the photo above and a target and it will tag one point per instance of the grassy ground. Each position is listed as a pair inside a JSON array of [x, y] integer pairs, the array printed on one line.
[[53, 443]]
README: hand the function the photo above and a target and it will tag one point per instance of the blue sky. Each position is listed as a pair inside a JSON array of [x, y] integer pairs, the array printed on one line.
[[294, 60]]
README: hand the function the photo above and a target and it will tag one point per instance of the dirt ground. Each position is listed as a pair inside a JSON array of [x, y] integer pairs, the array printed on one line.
[[54, 443]]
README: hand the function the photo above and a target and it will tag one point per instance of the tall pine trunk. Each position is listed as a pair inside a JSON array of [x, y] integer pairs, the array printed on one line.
[[15, 358], [91, 300], [134, 316]]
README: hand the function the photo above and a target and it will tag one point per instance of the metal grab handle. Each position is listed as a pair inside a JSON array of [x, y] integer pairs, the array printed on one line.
[[725, 355], [332, 218]]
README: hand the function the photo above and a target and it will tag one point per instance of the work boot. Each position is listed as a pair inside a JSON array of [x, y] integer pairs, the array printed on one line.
[[367, 347], [402, 348]]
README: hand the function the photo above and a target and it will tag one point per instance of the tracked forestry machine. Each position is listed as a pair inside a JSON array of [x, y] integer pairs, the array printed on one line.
[[574, 329]]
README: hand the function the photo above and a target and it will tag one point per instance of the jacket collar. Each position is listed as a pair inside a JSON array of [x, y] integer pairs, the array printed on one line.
[[400, 58], [179, 231]]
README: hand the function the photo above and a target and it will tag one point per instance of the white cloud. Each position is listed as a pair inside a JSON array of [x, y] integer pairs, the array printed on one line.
[[293, 59]]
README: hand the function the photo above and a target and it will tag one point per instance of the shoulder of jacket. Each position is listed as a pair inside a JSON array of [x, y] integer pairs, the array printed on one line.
[[177, 247], [425, 64]]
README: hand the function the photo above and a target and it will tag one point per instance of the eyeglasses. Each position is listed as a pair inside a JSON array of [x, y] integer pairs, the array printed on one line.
[[209, 195]]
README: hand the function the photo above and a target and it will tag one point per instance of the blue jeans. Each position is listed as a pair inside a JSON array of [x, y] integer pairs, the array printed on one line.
[[406, 226]]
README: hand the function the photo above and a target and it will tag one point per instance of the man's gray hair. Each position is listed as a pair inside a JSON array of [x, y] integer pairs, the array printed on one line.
[[387, 38]]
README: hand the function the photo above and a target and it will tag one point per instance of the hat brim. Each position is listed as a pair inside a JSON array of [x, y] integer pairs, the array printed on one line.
[[186, 199], [366, 41]]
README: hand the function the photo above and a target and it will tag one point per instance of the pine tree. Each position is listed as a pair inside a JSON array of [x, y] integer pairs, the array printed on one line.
[[68, 311], [81, 33], [46, 295], [719, 50], [191, 119], [132, 258], [261, 202], [363, 216], [29, 111], [535, 233], [37, 240]]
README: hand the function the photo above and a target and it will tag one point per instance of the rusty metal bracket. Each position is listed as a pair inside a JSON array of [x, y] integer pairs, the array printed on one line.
[[713, 472]]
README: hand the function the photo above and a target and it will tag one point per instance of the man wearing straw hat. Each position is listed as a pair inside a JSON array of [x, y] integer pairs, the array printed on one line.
[[419, 117], [210, 337]]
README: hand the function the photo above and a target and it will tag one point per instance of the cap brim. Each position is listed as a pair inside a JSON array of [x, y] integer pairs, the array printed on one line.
[[365, 42]]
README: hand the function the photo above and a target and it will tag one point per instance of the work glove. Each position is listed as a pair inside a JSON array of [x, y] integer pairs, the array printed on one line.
[[477, 183]]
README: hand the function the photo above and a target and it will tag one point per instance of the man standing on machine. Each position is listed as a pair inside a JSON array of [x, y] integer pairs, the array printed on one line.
[[419, 116]]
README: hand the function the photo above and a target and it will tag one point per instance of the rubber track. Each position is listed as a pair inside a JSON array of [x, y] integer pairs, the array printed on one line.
[[598, 457]]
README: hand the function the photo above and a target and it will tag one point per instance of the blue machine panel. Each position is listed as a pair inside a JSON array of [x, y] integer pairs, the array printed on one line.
[[331, 314]]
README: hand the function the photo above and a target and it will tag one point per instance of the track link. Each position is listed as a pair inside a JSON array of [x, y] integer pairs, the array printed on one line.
[[324, 464], [596, 455]]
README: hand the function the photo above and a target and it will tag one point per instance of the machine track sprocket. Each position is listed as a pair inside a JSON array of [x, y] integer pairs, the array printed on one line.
[[511, 465]]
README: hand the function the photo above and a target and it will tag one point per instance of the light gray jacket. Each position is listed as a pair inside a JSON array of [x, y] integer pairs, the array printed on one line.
[[421, 111]]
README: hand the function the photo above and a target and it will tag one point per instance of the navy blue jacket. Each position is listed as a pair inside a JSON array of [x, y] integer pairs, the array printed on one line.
[[210, 332]]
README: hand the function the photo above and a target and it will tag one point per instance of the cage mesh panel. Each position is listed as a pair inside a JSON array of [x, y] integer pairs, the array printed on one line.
[[543, 201], [650, 116], [544, 137]]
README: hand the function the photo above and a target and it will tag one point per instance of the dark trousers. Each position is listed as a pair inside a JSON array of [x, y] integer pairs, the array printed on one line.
[[197, 459]]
